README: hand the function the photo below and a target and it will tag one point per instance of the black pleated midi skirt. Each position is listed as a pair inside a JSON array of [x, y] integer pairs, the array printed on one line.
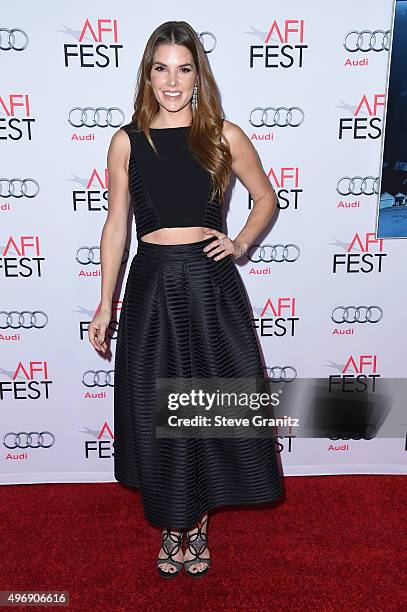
[[185, 315]]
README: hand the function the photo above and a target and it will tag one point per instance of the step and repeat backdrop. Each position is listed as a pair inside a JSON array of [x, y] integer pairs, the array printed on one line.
[[307, 83]]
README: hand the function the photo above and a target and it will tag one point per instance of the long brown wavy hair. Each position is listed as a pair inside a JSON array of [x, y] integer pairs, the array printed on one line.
[[204, 136]]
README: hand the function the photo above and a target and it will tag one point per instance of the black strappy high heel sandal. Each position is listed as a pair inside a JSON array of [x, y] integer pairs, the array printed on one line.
[[171, 543], [196, 543]]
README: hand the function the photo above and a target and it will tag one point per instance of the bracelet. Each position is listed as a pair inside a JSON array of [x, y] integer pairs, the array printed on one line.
[[240, 249]]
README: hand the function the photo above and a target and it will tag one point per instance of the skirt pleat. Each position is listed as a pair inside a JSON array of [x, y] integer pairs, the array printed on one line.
[[185, 315]]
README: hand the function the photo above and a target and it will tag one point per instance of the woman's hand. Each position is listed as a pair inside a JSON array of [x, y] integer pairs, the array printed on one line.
[[97, 329], [217, 250]]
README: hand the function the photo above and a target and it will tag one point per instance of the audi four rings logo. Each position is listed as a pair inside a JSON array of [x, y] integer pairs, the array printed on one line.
[[96, 117], [15, 39], [358, 185], [18, 188], [281, 373], [357, 314], [24, 319], [273, 252], [207, 35], [366, 40], [353, 432], [91, 255], [98, 378], [32, 439], [86, 255], [281, 116]]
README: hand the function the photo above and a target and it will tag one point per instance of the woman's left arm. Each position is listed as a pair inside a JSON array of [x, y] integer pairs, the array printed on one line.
[[247, 167]]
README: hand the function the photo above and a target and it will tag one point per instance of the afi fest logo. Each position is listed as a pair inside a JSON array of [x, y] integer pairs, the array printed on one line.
[[286, 443], [21, 257], [359, 127], [368, 259], [103, 443], [358, 374], [15, 117], [287, 184], [97, 45], [93, 196], [277, 317], [28, 382], [282, 45]]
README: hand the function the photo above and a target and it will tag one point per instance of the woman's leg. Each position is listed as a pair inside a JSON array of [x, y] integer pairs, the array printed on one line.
[[171, 544], [202, 523]]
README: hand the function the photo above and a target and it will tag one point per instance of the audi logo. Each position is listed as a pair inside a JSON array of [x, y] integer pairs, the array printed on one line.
[[24, 319], [358, 185], [281, 373], [352, 432], [366, 40], [32, 439], [281, 116], [202, 36], [98, 378], [96, 117], [273, 252], [86, 255], [15, 39], [18, 188], [357, 314]]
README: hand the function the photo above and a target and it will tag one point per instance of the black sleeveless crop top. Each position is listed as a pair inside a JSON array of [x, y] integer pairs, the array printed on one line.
[[171, 190]]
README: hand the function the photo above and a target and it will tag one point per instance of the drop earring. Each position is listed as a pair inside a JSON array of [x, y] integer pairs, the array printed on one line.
[[194, 101]]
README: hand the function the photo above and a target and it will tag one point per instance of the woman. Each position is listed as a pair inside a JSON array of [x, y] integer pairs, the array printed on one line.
[[184, 311]]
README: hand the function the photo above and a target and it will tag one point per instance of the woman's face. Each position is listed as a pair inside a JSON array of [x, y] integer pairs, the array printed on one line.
[[173, 70]]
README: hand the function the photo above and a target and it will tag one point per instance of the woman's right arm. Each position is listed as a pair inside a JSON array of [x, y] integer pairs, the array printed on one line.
[[114, 231], [114, 234]]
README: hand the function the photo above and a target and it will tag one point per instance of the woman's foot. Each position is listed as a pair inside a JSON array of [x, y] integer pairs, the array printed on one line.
[[173, 548], [197, 546]]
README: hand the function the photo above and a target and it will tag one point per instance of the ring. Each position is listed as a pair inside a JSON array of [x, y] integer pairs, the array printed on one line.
[[222, 242]]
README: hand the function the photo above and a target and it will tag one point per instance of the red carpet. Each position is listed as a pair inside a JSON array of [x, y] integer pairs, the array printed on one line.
[[336, 543]]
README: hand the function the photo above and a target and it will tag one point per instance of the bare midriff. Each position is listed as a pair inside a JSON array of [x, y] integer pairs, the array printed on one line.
[[176, 235]]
